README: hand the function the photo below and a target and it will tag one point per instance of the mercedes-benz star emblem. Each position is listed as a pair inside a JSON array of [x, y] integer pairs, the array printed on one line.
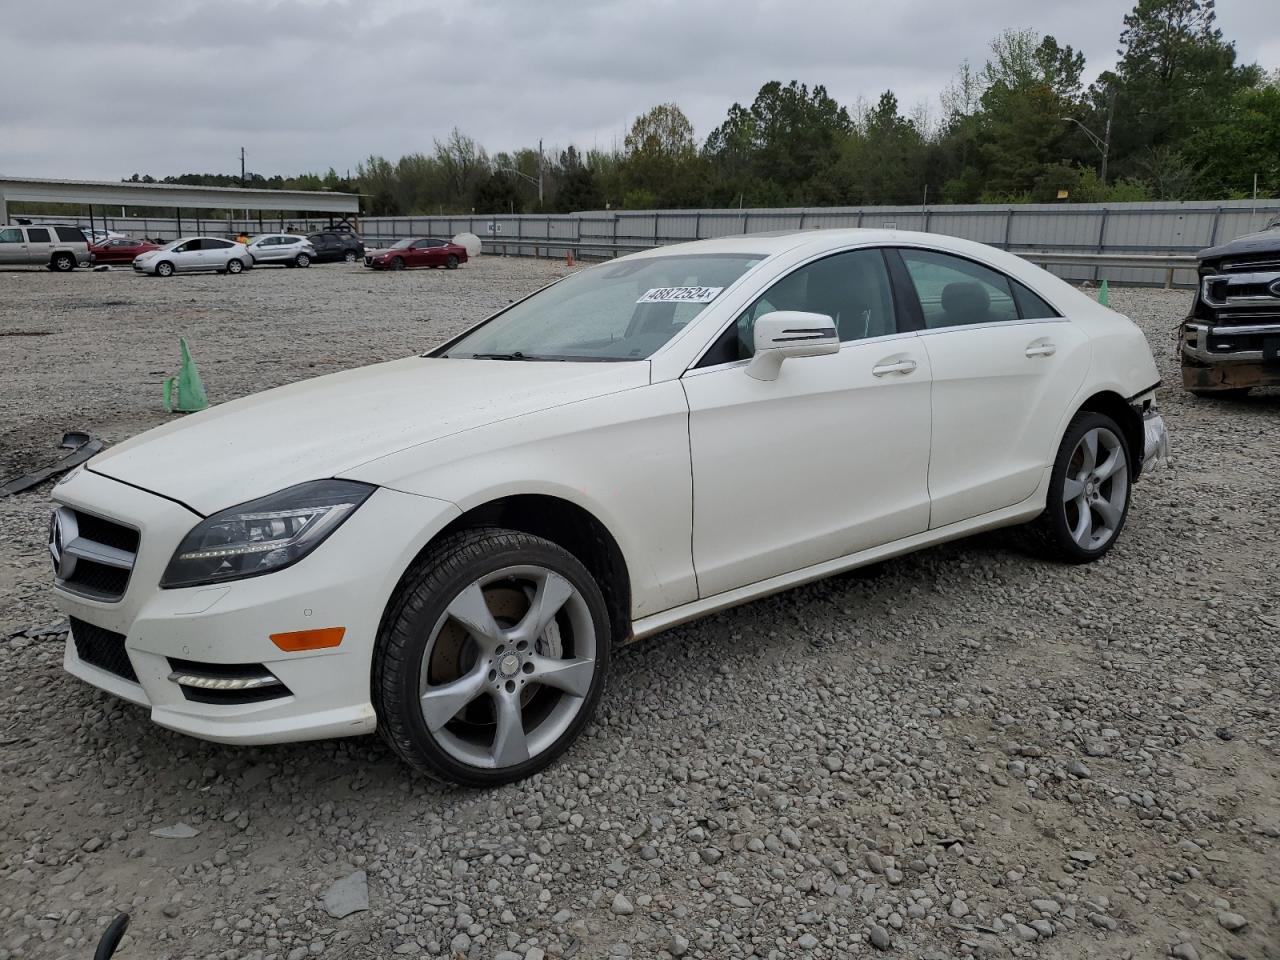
[[61, 532]]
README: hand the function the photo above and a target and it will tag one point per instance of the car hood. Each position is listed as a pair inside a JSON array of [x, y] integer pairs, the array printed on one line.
[[319, 428], [1267, 241]]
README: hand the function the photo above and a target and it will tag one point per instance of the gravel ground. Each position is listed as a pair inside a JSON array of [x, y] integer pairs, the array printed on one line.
[[962, 752]]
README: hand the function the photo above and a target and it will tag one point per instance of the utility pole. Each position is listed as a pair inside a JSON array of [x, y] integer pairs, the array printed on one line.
[[539, 173], [242, 166], [1106, 139]]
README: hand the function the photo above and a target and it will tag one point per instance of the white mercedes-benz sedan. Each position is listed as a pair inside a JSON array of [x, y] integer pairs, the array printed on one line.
[[447, 547]]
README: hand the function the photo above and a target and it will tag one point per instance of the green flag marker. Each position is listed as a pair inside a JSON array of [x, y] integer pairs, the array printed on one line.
[[1103, 297], [190, 390]]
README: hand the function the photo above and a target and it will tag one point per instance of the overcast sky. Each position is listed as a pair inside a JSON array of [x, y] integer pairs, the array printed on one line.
[[99, 90]]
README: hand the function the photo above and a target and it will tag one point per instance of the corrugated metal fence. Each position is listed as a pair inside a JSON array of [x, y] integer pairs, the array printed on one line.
[[1119, 228], [1132, 228]]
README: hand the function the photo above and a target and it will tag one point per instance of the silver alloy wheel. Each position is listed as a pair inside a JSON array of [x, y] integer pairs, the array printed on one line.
[[234, 266], [1096, 488], [164, 268], [508, 667], [304, 260], [350, 256]]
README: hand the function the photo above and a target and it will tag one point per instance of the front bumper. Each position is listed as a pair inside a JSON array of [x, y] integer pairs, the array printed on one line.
[[346, 582], [1227, 356], [1155, 441]]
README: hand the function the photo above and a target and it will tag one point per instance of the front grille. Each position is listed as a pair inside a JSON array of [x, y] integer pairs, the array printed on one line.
[[1265, 262], [368, 261], [101, 530], [93, 556], [102, 648]]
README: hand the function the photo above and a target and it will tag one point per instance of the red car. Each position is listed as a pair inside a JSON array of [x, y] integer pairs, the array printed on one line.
[[418, 252], [119, 250]]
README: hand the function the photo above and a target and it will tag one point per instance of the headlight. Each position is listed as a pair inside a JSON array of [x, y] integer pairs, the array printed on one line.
[[263, 535]]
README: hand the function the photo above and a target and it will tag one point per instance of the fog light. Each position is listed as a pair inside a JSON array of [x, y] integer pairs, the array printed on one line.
[[202, 682]]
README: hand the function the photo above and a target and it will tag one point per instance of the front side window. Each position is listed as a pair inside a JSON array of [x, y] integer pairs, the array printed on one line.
[[624, 310], [37, 235], [852, 288]]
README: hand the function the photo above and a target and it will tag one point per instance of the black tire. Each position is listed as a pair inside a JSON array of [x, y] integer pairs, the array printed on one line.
[[419, 605], [1051, 532], [397, 263], [234, 265], [63, 262], [452, 262], [1234, 393], [164, 269], [302, 260], [350, 256]]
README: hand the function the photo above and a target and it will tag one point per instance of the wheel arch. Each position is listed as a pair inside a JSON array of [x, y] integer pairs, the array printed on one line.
[[566, 524], [1113, 405]]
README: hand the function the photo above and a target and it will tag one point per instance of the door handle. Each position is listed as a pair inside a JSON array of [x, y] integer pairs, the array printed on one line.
[[1041, 350], [898, 366]]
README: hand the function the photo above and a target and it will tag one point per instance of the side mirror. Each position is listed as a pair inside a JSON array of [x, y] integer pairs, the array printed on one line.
[[790, 333]]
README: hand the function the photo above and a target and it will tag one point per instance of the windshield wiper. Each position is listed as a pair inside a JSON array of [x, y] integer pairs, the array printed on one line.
[[515, 355]]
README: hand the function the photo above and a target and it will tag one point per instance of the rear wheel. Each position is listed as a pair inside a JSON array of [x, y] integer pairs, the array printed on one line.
[[302, 260], [1089, 491], [234, 266], [452, 262], [164, 269], [492, 657], [63, 262]]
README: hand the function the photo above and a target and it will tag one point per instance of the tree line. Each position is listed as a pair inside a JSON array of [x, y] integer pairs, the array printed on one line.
[[1178, 118]]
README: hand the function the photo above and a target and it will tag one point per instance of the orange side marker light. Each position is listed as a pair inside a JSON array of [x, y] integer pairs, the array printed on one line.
[[299, 640]]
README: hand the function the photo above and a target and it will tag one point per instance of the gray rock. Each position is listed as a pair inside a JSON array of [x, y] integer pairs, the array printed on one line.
[[879, 937], [348, 895], [807, 942], [677, 946], [1231, 921], [179, 831], [1077, 769], [621, 906]]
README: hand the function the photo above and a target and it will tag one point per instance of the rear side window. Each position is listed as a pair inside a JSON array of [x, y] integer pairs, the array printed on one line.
[[1030, 306], [12, 235], [955, 292], [69, 234], [37, 235], [216, 244]]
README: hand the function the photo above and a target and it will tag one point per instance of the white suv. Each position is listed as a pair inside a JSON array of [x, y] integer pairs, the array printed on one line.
[[282, 248], [56, 246]]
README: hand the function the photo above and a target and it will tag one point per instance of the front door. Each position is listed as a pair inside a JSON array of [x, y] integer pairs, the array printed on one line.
[[827, 460], [13, 246], [1005, 366]]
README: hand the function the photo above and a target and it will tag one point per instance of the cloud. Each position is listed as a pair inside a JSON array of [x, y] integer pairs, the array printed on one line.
[[173, 86]]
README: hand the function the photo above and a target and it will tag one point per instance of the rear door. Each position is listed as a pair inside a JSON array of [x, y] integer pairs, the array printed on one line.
[[39, 244], [1006, 365], [13, 245]]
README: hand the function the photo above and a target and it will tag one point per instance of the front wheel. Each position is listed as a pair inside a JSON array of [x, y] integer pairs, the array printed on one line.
[[491, 658], [164, 269], [452, 262], [350, 256], [397, 263], [1089, 491], [234, 266]]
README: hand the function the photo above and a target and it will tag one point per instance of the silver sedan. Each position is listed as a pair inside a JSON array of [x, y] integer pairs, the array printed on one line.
[[194, 254]]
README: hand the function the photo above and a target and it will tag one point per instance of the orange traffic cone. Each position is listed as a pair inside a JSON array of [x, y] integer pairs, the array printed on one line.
[[568, 258]]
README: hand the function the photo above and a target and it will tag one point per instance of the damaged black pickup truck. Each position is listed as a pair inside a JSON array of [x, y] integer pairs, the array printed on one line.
[[1231, 341]]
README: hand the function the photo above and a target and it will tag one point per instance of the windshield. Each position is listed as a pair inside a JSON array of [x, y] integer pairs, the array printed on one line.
[[624, 310], [174, 244], [401, 244]]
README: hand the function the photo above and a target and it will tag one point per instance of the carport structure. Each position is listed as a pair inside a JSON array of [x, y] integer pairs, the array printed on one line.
[[174, 196]]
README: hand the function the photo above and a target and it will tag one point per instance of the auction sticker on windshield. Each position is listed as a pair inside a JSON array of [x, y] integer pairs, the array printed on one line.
[[680, 295]]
